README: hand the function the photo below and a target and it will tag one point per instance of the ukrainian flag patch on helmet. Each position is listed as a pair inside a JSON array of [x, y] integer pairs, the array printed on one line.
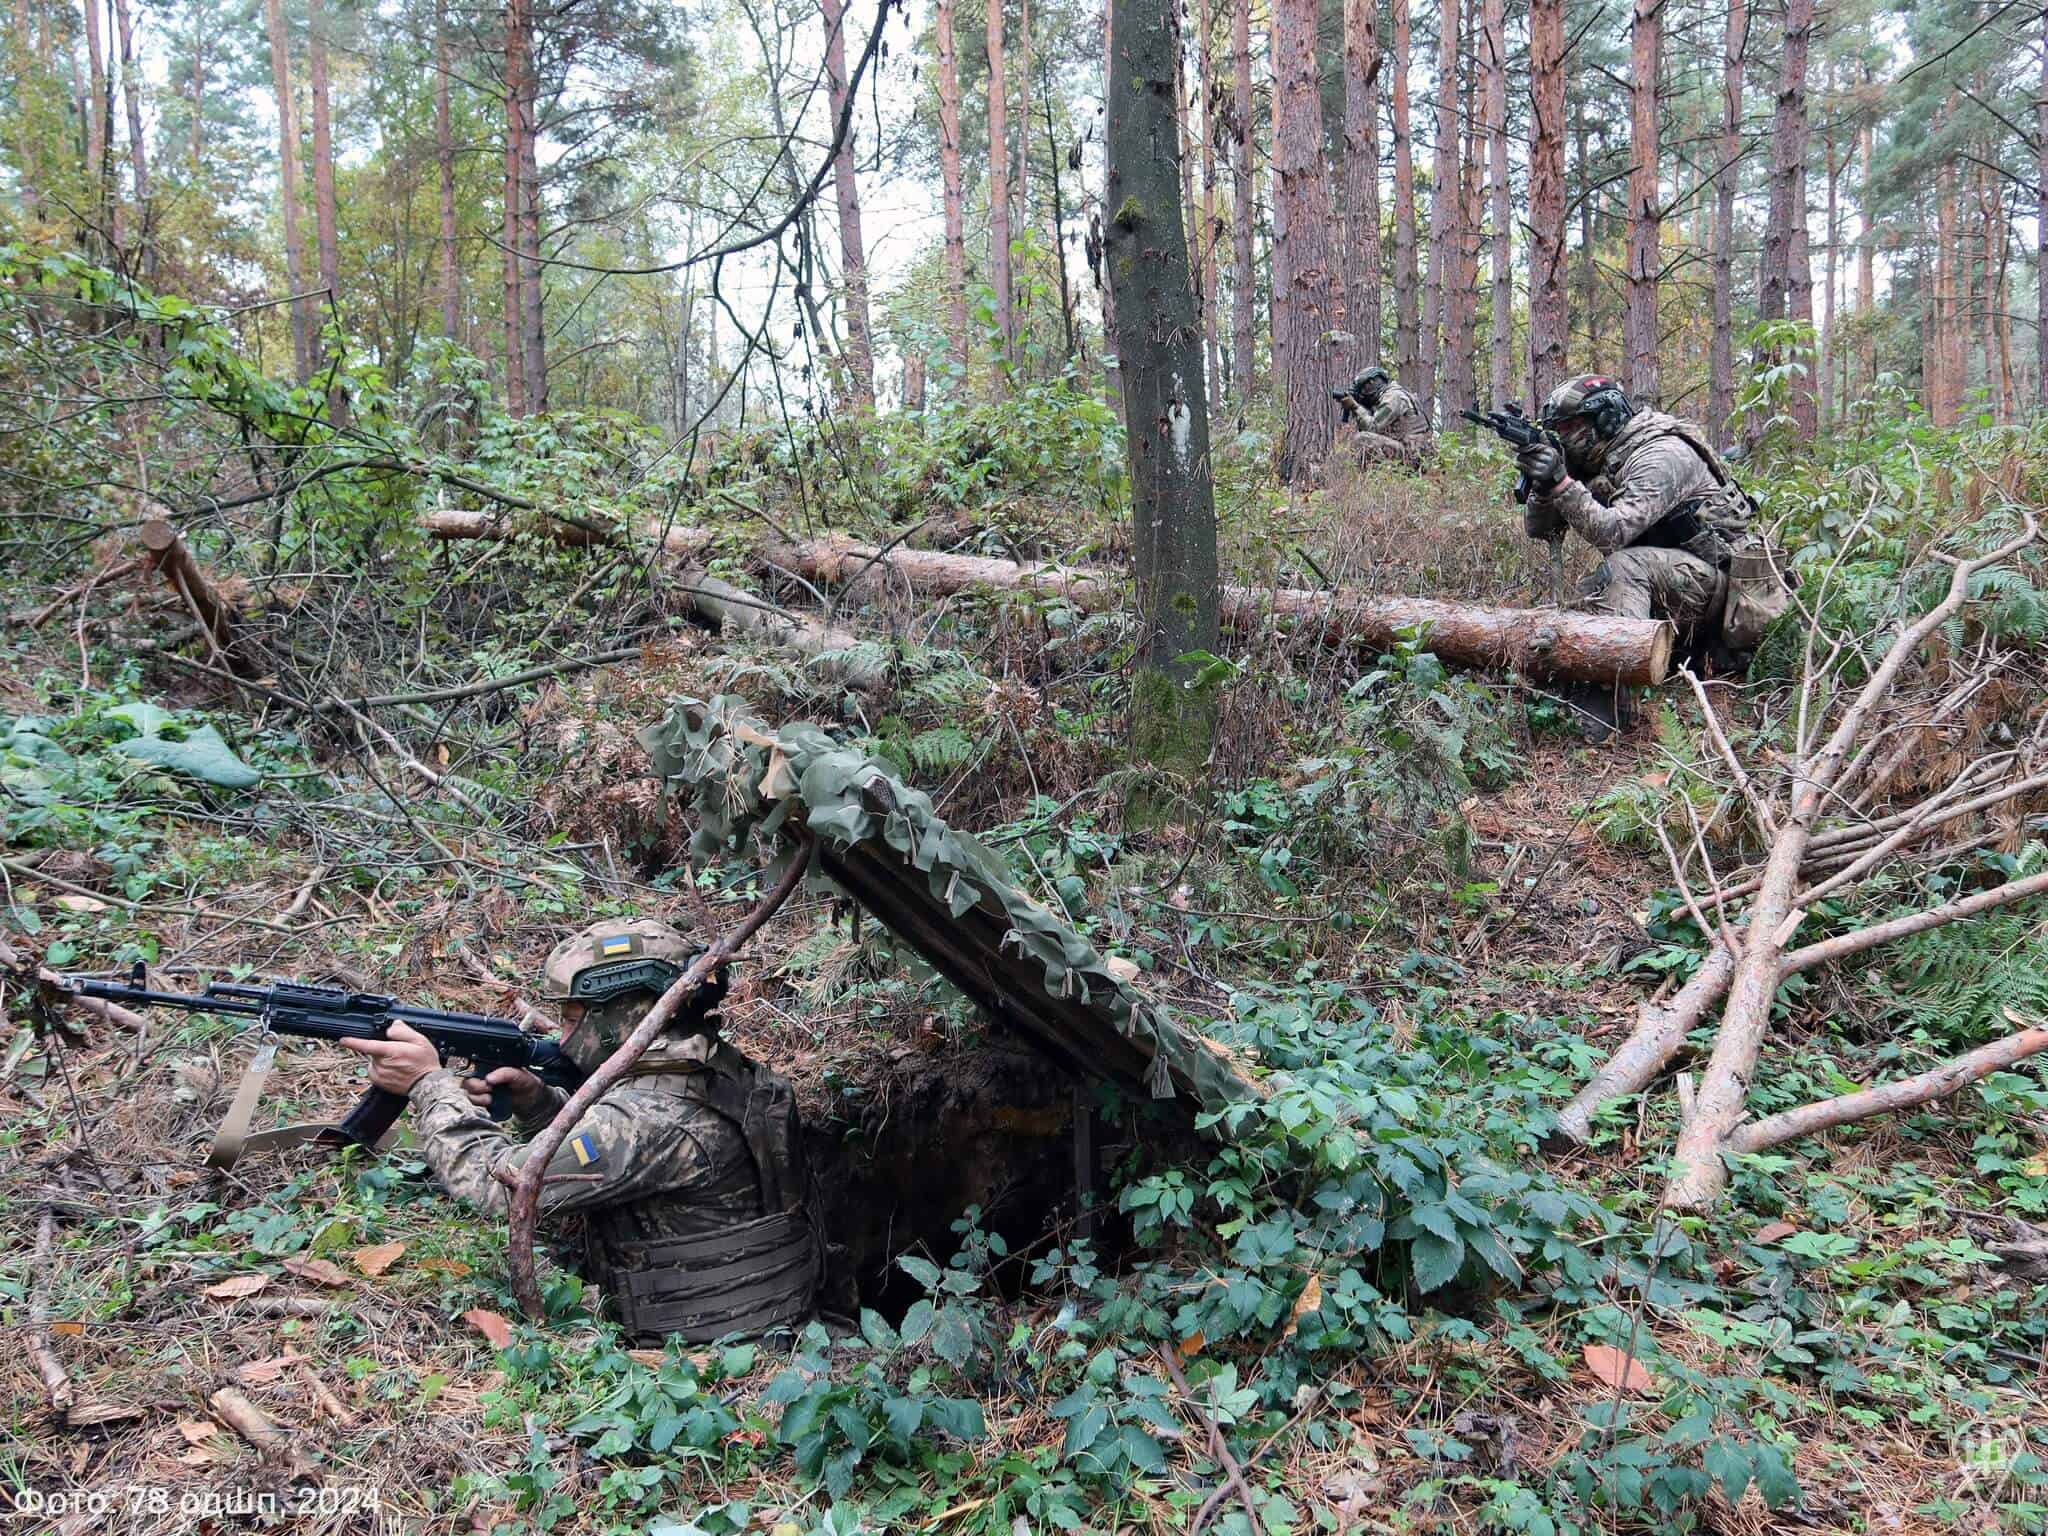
[[614, 945], [585, 1148]]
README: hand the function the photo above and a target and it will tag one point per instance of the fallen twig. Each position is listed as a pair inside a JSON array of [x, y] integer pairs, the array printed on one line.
[[1233, 1474], [56, 1383]]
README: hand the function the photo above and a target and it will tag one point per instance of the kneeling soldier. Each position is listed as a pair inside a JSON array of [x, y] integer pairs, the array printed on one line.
[[690, 1173], [1391, 426]]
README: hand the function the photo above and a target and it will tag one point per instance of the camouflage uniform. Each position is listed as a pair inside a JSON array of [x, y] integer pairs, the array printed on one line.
[[697, 1145], [1396, 432], [1659, 561]]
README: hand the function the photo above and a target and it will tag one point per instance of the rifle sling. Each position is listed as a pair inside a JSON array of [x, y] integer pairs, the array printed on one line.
[[233, 1140]]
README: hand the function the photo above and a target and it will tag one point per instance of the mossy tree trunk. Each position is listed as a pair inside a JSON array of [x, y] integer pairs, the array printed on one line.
[[1158, 341]]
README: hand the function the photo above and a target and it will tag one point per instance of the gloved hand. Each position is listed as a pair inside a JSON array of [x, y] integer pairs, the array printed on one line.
[[1542, 522], [1543, 464]]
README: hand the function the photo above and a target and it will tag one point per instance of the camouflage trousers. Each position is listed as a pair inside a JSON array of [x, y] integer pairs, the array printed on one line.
[[1640, 582], [1378, 448]]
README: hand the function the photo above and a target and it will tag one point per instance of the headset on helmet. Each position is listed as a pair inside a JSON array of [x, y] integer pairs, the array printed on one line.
[[1596, 397]]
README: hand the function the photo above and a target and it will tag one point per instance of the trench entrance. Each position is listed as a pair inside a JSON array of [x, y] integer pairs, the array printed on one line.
[[909, 1152]]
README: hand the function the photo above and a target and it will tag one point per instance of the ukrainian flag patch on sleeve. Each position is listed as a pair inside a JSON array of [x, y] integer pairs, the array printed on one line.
[[614, 945], [584, 1145]]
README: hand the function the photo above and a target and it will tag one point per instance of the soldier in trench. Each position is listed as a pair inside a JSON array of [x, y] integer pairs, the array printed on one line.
[[690, 1174]]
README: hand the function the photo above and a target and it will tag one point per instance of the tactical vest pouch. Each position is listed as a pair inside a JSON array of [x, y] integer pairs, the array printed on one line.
[[1757, 595], [748, 1279]]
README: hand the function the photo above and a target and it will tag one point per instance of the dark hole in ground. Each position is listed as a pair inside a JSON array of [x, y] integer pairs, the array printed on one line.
[[989, 1126]]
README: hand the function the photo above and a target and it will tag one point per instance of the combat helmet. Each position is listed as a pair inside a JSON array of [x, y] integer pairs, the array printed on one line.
[[616, 969], [1374, 379], [1587, 413]]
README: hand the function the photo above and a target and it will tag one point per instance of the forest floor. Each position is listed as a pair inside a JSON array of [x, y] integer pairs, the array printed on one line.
[[1840, 1307]]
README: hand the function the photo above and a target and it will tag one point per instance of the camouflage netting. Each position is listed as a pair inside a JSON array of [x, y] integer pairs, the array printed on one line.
[[882, 843]]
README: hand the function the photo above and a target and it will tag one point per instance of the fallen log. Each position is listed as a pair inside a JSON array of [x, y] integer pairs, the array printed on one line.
[[454, 523], [170, 558], [1539, 642], [1542, 642], [733, 610]]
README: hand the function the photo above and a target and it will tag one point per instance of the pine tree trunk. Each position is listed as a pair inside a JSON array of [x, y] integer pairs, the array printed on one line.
[[999, 185], [1303, 290], [949, 175], [1206, 239], [2040, 217], [1461, 371], [533, 323], [1645, 202], [1020, 100], [1493, 23], [325, 237], [1786, 279], [1549, 313], [853, 261], [1721, 349], [1588, 205], [1158, 344], [1941, 390], [1244, 203], [138, 149], [444, 158], [1407, 313], [515, 289], [1361, 184], [97, 114], [288, 161], [1443, 207], [1825, 358], [1866, 243]]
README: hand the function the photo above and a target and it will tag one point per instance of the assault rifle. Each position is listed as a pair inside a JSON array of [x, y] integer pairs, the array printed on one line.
[[1519, 432], [333, 1013]]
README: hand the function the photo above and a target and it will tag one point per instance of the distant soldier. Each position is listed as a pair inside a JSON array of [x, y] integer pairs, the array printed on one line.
[[690, 1173], [1391, 426], [1649, 493]]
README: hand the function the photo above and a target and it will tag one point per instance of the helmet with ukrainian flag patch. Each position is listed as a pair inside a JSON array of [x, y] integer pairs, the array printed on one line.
[[613, 958]]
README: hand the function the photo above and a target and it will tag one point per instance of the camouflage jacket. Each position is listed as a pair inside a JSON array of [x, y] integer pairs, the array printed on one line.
[[1652, 469], [651, 1159], [1397, 416]]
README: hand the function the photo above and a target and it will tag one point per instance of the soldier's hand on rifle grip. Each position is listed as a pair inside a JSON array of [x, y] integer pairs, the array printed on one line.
[[504, 1091], [1543, 464], [399, 1060]]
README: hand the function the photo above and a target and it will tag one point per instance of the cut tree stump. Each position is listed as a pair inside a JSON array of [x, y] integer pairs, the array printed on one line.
[[170, 558]]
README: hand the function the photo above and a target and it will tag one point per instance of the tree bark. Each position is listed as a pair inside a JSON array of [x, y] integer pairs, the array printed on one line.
[[138, 149], [1461, 267], [1444, 208], [1549, 311], [172, 561], [1166, 410], [532, 286], [515, 288], [1362, 181], [1824, 355], [1866, 241], [325, 237], [1304, 309], [1645, 206], [1407, 312], [1244, 201], [999, 187], [2040, 217], [444, 157], [853, 261], [302, 321], [98, 114], [1208, 231], [1493, 25], [1784, 273], [1721, 349], [949, 175], [1021, 101]]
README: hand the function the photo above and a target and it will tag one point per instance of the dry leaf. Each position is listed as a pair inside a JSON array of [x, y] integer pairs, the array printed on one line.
[[67, 1330], [1310, 1298], [491, 1326], [261, 1373], [319, 1271], [196, 1430], [374, 1261], [84, 1416], [653, 1358], [445, 1266], [236, 1288], [1777, 1231], [1191, 1346], [81, 904], [1616, 1368], [1656, 780]]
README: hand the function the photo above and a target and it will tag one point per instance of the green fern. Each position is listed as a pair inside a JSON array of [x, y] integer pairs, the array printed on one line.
[[1958, 981], [941, 750]]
